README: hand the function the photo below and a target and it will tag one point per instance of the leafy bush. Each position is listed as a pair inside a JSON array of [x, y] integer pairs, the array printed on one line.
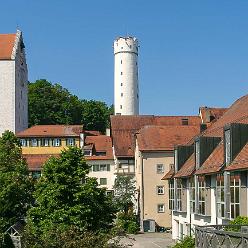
[[240, 220], [187, 242], [127, 222]]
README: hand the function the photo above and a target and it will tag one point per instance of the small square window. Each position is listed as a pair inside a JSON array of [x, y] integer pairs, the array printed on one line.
[[185, 121], [160, 190], [103, 181], [160, 168], [160, 208]]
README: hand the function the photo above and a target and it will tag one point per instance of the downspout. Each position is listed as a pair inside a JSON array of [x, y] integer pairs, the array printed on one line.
[[142, 193]]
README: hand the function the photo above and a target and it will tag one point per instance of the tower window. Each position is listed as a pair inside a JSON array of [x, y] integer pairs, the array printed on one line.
[[121, 84], [120, 106], [121, 47], [121, 94], [121, 73], [121, 61]]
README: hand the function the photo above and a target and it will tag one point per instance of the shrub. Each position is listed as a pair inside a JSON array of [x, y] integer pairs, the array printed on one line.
[[187, 242], [127, 222], [240, 220]]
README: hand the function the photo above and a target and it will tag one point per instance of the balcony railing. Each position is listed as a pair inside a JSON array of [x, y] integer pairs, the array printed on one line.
[[225, 236]]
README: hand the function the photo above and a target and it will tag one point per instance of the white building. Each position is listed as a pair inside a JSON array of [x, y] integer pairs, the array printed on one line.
[[126, 76], [13, 83]]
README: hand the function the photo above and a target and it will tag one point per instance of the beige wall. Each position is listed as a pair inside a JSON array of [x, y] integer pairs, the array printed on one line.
[[148, 197]]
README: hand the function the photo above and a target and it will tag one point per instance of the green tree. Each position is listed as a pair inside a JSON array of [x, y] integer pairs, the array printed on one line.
[[15, 185], [124, 189], [52, 104], [66, 197]]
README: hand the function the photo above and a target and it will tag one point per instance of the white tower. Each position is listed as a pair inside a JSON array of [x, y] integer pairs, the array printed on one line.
[[126, 76]]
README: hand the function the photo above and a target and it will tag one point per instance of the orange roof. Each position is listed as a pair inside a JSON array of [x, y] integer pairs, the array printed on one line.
[[160, 138], [124, 128], [188, 168], [101, 143], [210, 114], [36, 161], [241, 160], [214, 162], [52, 131], [169, 174], [7, 42]]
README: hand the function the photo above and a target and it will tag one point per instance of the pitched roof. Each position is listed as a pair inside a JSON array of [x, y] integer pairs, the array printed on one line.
[[52, 131], [160, 138], [101, 143], [123, 129], [214, 162], [36, 161], [209, 114], [237, 113], [169, 174], [188, 168], [241, 160], [7, 42]]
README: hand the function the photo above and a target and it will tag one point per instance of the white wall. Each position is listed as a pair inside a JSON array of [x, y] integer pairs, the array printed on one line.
[[126, 76]]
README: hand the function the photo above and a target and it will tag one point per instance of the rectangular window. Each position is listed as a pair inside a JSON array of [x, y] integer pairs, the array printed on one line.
[[160, 190], [87, 152], [70, 142], [235, 195], [185, 121], [160, 168], [45, 142], [96, 167], [228, 146], [121, 84], [192, 194], [201, 195], [121, 73], [23, 142], [160, 208], [121, 61], [103, 181], [179, 190], [100, 153], [220, 195], [197, 154], [56, 142], [171, 194], [121, 94], [34, 142], [104, 167], [120, 106]]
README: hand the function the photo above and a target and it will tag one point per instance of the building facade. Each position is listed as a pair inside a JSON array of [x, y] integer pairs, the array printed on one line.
[[13, 83], [126, 83]]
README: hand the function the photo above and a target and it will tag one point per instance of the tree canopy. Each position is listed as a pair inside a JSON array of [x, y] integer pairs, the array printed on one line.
[[15, 185], [66, 197], [52, 104]]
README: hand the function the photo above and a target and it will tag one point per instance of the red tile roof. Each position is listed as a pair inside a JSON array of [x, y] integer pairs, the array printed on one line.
[[188, 168], [7, 42], [160, 138], [52, 131], [123, 129], [209, 114], [241, 160], [101, 143], [169, 174], [36, 161], [214, 162]]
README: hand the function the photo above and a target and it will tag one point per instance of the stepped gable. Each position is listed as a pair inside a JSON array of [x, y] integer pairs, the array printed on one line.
[[124, 128], [7, 42], [160, 138]]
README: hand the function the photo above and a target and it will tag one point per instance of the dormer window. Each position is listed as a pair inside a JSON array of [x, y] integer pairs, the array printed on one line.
[[197, 154], [87, 152], [228, 146], [100, 153]]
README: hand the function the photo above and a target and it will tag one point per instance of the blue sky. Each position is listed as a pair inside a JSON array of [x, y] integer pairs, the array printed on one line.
[[192, 53]]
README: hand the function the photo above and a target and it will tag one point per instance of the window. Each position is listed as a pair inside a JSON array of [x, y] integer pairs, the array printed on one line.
[[201, 194], [34, 142], [160, 190], [101, 153], [23, 142], [185, 121], [220, 193], [192, 194], [87, 152], [160, 168], [103, 181], [120, 106], [121, 84], [104, 167], [121, 61], [228, 146], [45, 142], [121, 73], [160, 208], [235, 195], [56, 142], [179, 195], [171, 194], [121, 94], [96, 167], [70, 142], [197, 154]]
